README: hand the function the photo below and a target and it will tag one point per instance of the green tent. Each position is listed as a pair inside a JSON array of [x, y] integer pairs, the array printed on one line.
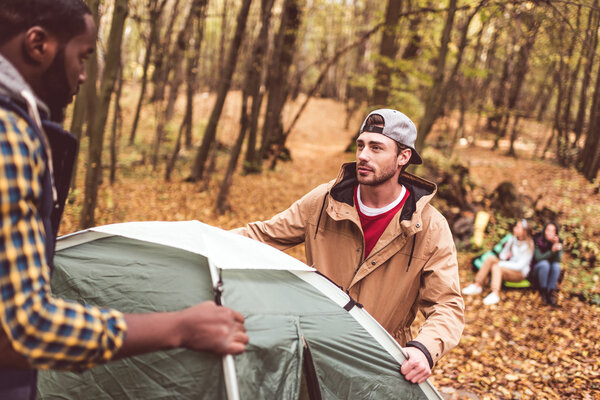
[[303, 342]]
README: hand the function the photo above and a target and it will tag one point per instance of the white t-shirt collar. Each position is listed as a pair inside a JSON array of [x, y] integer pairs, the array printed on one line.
[[372, 212]]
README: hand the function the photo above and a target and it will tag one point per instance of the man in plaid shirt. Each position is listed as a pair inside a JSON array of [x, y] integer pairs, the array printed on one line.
[[43, 47]]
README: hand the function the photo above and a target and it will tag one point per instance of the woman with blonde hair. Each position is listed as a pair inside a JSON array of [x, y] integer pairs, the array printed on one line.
[[512, 264]]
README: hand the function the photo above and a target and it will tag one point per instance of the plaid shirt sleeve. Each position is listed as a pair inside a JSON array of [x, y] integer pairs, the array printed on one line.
[[49, 332]]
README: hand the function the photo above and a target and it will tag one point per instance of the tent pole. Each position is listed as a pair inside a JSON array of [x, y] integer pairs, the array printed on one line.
[[231, 383]]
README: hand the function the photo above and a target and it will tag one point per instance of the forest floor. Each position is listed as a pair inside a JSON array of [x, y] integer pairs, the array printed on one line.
[[517, 349]]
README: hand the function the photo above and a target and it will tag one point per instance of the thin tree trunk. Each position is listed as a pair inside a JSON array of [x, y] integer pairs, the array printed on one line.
[[109, 77], [85, 103], [434, 102], [221, 203], [255, 77], [557, 127], [224, 85], [192, 70], [513, 136], [115, 134], [388, 49], [222, 39], [544, 93], [521, 67], [460, 129], [589, 162], [355, 93], [153, 38], [162, 58], [572, 81], [548, 144], [173, 63], [278, 75], [589, 51]]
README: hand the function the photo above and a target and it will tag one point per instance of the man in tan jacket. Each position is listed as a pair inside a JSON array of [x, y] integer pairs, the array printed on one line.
[[373, 232]]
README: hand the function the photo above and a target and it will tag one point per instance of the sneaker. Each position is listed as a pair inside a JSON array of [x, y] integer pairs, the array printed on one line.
[[552, 297], [491, 298], [472, 289], [544, 295]]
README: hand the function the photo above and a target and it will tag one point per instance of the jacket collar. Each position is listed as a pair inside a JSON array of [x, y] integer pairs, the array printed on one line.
[[12, 85], [421, 191]]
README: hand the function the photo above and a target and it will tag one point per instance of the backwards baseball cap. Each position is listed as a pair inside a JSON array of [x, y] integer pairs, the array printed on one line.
[[396, 126]]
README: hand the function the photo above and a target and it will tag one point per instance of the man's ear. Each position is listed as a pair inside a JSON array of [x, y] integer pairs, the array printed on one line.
[[404, 157], [40, 46]]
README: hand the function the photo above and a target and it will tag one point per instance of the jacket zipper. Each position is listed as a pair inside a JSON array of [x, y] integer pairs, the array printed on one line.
[[412, 250]]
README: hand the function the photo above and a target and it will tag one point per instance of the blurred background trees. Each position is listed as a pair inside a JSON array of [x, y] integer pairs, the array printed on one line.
[[495, 68]]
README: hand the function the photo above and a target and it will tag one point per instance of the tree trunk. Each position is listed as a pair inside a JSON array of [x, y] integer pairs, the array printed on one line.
[[191, 73], [513, 136], [162, 61], [85, 103], [173, 63], [590, 156], [221, 203], [109, 76], [521, 67], [224, 85], [589, 52], [433, 104], [357, 93], [115, 134], [557, 126], [544, 94], [278, 75], [482, 88], [254, 80], [222, 39], [192, 70], [155, 12], [500, 95], [388, 49], [570, 80]]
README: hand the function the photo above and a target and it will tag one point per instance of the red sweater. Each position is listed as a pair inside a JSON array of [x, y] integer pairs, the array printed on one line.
[[373, 226]]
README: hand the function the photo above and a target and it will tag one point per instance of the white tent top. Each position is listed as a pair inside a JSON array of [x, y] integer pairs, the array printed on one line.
[[226, 250]]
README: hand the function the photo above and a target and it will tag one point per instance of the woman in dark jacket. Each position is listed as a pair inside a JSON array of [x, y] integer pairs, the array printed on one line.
[[546, 262]]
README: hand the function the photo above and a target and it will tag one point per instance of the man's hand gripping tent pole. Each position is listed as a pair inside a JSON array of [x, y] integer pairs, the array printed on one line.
[[231, 384]]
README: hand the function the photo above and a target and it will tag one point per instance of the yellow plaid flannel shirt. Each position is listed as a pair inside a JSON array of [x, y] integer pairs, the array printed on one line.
[[49, 332]]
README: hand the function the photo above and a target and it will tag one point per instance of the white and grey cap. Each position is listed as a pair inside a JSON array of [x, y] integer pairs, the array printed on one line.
[[396, 126]]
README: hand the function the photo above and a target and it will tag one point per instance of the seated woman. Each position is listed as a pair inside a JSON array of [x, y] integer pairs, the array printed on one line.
[[512, 264], [546, 262]]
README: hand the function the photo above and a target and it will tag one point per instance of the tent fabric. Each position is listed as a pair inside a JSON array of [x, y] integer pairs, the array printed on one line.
[[284, 313]]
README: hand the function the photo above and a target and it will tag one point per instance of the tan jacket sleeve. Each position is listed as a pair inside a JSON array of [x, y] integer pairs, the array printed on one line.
[[288, 228], [440, 298]]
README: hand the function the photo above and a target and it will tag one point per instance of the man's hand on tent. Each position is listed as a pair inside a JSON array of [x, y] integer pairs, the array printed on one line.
[[203, 327], [209, 327], [416, 369]]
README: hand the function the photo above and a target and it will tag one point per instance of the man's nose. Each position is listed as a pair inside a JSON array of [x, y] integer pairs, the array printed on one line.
[[363, 154], [82, 76]]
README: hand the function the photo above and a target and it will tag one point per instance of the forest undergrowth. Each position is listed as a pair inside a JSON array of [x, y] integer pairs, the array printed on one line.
[[517, 349]]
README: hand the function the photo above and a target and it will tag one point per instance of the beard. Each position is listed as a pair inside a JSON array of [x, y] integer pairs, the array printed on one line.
[[377, 177], [56, 91]]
